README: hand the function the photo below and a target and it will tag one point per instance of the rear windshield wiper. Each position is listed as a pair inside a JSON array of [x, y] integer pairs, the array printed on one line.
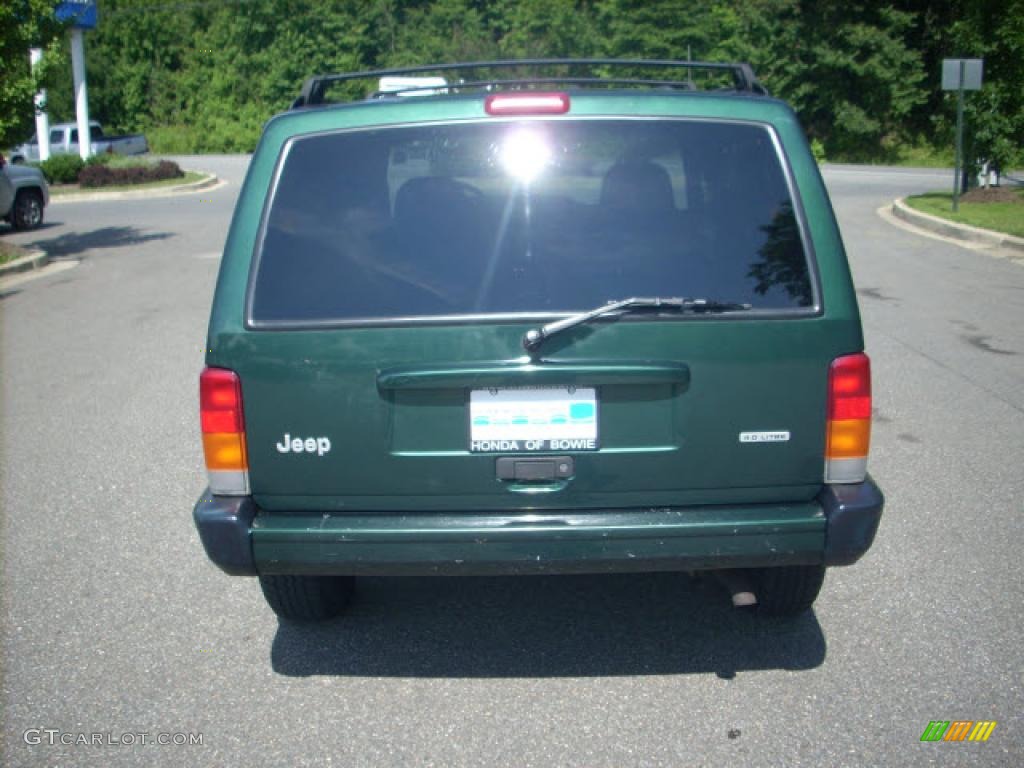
[[534, 337]]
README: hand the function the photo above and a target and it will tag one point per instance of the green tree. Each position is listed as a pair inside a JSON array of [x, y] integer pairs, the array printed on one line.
[[995, 30], [845, 68], [205, 76], [549, 29], [442, 31], [132, 56], [658, 29], [24, 24], [988, 29]]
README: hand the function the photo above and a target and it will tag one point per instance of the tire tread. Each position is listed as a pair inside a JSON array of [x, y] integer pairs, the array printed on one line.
[[788, 590], [307, 598], [16, 217]]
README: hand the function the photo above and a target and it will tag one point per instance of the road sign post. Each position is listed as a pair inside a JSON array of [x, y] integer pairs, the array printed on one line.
[[960, 75]]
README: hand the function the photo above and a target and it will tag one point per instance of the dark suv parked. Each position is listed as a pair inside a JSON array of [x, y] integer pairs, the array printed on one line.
[[550, 324]]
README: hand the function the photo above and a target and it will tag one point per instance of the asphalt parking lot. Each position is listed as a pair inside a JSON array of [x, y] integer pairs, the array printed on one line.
[[115, 623]]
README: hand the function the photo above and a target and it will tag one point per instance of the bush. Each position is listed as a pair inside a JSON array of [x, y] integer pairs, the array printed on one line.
[[101, 158], [171, 140], [100, 175], [62, 169], [94, 176], [166, 169], [818, 150]]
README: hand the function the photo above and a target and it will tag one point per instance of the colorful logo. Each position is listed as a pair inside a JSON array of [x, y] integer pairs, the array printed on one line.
[[958, 730]]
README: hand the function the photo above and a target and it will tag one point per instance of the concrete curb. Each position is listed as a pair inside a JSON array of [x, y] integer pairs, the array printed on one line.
[[35, 260], [957, 231], [211, 180]]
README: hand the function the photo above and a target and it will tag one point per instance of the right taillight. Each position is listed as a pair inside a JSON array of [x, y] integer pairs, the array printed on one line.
[[848, 430], [223, 426]]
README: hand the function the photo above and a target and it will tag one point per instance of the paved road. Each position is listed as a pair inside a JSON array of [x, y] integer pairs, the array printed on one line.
[[114, 622]]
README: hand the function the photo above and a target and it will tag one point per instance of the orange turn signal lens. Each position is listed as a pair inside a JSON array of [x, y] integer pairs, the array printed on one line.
[[225, 450], [848, 438]]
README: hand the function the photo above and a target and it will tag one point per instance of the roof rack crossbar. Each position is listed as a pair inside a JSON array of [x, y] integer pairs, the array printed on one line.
[[465, 84], [314, 88]]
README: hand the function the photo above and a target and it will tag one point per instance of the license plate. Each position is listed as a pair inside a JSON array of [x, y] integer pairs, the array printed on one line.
[[525, 419]]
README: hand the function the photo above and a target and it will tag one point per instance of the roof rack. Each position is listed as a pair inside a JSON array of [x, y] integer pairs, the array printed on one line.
[[744, 79]]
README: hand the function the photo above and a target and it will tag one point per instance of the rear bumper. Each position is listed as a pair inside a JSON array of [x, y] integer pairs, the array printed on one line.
[[836, 528]]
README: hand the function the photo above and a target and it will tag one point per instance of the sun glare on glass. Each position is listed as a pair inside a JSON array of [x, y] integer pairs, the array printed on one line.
[[525, 155]]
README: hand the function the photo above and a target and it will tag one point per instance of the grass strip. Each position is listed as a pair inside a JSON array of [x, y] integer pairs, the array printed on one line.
[[1006, 217], [10, 252]]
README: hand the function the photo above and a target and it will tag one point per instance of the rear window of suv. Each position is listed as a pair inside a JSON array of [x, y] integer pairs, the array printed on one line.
[[526, 217]]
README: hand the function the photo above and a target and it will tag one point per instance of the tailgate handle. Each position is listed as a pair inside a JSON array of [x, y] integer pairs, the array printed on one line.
[[548, 469], [546, 372]]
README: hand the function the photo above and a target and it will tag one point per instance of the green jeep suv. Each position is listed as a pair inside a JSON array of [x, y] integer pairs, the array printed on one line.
[[493, 323]]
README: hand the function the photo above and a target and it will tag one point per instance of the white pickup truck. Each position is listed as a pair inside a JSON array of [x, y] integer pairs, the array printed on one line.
[[64, 140]]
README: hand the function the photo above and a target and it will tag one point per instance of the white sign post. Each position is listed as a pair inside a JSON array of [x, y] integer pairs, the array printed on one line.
[[960, 75], [82, 15], [35, 55], [81, 94]]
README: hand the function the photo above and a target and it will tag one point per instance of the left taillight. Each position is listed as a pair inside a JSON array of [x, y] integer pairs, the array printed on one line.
[[848, 430], [223, 427]]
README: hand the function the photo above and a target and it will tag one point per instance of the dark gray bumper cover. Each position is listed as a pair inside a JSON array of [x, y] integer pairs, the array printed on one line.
[[223, 523], [853, 513]]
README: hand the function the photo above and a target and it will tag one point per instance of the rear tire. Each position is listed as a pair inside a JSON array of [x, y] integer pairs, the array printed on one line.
[[307, 598], [28, 209], [788, 590]]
